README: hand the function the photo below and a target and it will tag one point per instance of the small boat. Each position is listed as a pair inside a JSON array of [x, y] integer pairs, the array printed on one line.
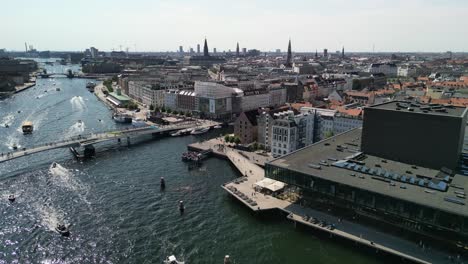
[[63, 230], [217, 126], [163, 183], [27, 127], [199, 130], [7, 126], [11, 198], [90, 86], [54, 165], [57, 89], [173, 260], [80, 123], [19, 111], [15, 147], [181, 207]]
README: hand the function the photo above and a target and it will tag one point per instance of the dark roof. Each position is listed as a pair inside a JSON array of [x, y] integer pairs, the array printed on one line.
[[338, 149], [252, 116], [420, 108]]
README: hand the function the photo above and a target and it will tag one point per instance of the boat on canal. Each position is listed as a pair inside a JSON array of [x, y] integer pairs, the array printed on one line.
[[90, 86], [27, 127], [173, 260]]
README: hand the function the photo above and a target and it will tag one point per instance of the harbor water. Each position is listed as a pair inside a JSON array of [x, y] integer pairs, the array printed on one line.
[[114, 204]]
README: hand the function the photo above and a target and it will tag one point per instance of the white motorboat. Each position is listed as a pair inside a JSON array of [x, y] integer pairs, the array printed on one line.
[[217, 126], [199, 130], [177, 133], [173, 260]]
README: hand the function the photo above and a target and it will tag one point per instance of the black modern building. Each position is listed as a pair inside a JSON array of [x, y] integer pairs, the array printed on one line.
[[425, 135], [339, 173]]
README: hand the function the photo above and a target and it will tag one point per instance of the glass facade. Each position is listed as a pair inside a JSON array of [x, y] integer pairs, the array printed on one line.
[[389, 209]]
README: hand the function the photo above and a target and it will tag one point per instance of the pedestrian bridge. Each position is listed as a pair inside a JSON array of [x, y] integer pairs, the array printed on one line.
[[94, 138]]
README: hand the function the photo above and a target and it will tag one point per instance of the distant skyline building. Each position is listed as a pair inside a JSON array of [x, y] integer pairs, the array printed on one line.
[[342, 53], [325, 53], [237, 50], [289, 56], [191, 50], [205, 49], [278, 51], [198, 48], [214, 50], [244, 51], [181, 49], [316, 53]]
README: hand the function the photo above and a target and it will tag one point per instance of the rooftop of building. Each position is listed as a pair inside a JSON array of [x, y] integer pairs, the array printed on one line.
[[338, 159], [430, 109], [119, 97]]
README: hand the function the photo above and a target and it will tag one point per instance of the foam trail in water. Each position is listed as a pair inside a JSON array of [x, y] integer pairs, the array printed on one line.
[[78, 103], [8, 119], [11, 141], [64, 178], [49, 217], [76, 129]]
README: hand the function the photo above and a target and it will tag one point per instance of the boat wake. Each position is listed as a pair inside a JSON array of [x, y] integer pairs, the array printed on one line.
[[76, 129], [78, 104], [12, 141], [63, 177], [8, 119], [49, 217]]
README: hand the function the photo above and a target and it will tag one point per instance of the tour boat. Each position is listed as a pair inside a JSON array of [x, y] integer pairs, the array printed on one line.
[[15, 147], [11, 198], [199, 130], [121, 118], [173, 260], [27, 127], [90, 86]]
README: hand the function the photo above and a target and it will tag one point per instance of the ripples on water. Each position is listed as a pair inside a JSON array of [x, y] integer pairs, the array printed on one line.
[[116, 209]]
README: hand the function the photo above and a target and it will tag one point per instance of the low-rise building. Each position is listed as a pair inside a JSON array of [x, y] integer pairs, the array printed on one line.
[[245, 126]]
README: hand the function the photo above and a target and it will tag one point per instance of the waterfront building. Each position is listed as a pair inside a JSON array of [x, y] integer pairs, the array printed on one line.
[[245, 126], [216, 100], [186, 101], [367, 171], [253, 99], [414, 133], [170, 98], [118, 99]]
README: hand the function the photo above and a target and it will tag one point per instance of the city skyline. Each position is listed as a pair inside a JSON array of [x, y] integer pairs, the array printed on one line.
[[361, 26]]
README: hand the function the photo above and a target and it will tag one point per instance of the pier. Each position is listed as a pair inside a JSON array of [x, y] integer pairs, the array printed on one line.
[[243, 189]]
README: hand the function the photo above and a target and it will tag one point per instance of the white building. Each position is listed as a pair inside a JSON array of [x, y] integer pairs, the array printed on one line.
[[255, 99], [291, 132], [277, 96], [343, 123]]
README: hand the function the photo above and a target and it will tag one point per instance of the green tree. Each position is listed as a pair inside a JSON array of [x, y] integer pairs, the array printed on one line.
[[227, 138], [168, 110], [115, 78], [175, 112], [188, 114], [237, 140], [151, 108], [255, 146]]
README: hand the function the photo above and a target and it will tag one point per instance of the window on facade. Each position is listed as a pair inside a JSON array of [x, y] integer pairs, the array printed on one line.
[[284, 151]]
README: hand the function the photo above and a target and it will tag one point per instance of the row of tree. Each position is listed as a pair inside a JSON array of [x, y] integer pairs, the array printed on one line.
[[169, 111]]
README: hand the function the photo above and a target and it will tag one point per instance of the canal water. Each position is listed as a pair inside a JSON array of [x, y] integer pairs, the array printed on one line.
[[114, 204]]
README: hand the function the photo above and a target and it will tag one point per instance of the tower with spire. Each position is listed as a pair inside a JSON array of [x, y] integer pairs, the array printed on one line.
[[342, 52], [205, 49], [237, 49], [316, 54], [289, 57]]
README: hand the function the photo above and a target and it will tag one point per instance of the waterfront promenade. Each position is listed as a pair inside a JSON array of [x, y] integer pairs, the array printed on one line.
[[243, 189]]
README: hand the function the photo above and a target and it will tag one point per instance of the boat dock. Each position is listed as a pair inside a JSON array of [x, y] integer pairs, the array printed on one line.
[[243, 189]]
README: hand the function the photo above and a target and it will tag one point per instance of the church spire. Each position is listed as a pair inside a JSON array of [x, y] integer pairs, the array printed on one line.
[[289, 58], [237, 49], [342, 52], [316, 53], [205, 49]]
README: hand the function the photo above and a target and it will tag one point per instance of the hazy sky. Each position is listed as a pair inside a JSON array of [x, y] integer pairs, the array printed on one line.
[[163, 25]]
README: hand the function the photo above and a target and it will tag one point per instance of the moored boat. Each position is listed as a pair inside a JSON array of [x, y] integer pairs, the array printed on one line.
[[63, 230], [199, 130], [122, 118]]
